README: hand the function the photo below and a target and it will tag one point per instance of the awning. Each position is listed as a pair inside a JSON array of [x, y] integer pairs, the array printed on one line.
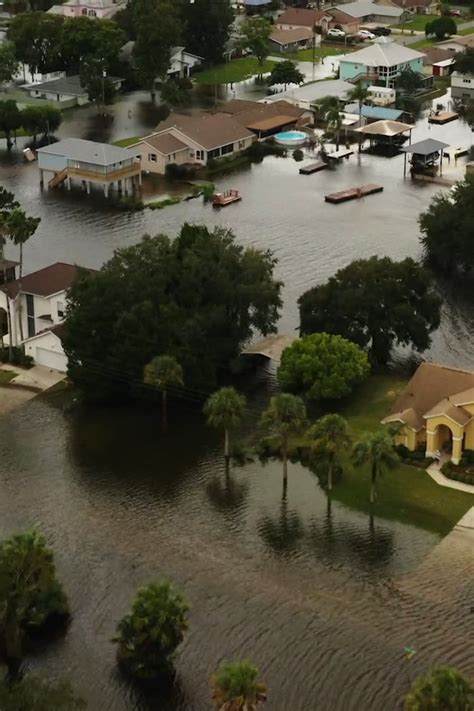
[[385, 128], [426, 147], [270, 123]]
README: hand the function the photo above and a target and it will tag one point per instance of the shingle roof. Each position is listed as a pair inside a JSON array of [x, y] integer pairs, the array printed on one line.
[[363, 8], [164, 143], [300, 16], [209, 130], [339, 16], [408, 4], [86, 151], [383, 52], [65, 85], [288, 36], [253, 112], [426, 147], [431, 385], [45, 282], [436, 54]]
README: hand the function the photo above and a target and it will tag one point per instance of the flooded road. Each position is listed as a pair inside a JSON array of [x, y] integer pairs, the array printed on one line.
[[322, 599]]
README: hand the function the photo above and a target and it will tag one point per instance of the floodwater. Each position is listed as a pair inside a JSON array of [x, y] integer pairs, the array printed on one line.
[[322, 598]]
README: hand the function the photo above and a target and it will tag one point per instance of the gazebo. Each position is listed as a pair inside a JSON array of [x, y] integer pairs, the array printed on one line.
[[386, 133], [425, 154]]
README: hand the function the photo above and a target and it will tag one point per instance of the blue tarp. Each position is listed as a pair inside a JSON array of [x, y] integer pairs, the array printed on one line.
[[257, 3], [378, 113]]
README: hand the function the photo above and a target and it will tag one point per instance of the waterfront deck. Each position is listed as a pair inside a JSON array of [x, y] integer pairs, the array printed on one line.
[[340, 154], [313, 168], [442, 117], [353, 193]]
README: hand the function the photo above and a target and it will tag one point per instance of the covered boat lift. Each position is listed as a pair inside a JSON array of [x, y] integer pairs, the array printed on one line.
[[425, 154], [386, 133]]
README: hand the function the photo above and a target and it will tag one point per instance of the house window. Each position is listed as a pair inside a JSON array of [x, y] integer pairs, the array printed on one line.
[[214, 153], [229, 148], [200, 155], [152, 157], [466, 81], [241, 144], [84, 11], [30, 314], [60, 307]]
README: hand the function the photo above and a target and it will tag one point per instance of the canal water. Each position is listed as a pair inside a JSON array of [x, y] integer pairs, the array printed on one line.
[[323, 599]]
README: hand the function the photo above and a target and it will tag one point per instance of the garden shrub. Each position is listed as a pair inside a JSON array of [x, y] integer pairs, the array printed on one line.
[[298, 155], [18, 357]]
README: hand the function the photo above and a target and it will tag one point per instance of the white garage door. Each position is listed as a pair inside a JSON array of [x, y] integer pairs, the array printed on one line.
[[51, 359]]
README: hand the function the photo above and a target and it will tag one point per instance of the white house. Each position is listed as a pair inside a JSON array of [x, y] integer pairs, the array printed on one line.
[[39, 303], [181, 65], [191, 140], [462, 86], [103, 9], [65, 91]]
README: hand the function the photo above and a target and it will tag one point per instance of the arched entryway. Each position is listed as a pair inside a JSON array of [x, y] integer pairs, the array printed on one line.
[[444, 439]]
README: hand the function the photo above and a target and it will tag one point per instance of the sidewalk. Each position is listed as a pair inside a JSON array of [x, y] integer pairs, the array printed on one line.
[[26, 385], [442, 480]]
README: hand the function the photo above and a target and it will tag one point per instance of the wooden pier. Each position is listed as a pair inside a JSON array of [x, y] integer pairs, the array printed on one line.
[[340, 154], [442, 117], [313, 168], [353, 193], [223, 199]]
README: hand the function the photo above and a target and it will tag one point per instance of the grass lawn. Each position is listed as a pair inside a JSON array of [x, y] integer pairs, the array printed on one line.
[[419, 22], [467, 31], [6, 376], [306, 55], [237, 70], [405, 493], [423, 44], [125, 142]]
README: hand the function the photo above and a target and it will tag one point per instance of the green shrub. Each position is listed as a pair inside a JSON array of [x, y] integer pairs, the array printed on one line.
[[130, 203], [402, 451], [18, 357], [160, 204], [180, 172], [298, 155], [467, 457]]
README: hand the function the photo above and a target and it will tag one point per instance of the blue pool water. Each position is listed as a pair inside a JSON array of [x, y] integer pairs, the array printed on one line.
[[291, 136]]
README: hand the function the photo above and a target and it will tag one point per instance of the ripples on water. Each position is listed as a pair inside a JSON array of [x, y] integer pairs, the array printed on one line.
[[323, 601]]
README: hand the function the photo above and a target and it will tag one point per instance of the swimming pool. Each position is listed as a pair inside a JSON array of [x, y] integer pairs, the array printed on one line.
[[291, 138]]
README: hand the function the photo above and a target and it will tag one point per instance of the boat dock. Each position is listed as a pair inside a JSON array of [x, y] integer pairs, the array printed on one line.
[[223, 199], [353, 193], [313, 168], [442, 117], [340, 154]]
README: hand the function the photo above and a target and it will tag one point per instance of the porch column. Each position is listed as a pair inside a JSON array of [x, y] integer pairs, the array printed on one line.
[[431, 443], [106, 190], [68, 181], [41, 177], [88, 187], [457, 450]]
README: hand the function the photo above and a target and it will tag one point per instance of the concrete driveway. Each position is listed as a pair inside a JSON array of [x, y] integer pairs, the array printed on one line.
[[26, 385]]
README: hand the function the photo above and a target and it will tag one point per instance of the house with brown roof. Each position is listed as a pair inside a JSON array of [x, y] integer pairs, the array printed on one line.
[[282, 41], [191, 139], [35, 307], [438, 62], [266, 119], [436, 411], [343, 21], [418, 7], [303, 18]]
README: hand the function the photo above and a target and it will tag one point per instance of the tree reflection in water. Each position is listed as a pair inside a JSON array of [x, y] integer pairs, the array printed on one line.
[[284, 531]]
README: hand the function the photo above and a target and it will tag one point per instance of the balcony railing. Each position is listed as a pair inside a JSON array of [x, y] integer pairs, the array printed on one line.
[[110, 176]]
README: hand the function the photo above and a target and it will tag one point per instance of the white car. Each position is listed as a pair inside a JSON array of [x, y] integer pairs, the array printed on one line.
[[336, 33], [366, 34]]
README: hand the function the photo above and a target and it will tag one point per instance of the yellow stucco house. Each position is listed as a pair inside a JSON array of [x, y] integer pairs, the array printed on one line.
[[436, 409]]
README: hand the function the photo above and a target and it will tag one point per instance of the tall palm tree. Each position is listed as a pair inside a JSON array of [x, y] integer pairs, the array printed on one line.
[[359, 94], [20, 229], [235, 687], [442, 689], [329, 109], [330, 436], [163, 372], [224, 409], [377, 451], [284, 416]]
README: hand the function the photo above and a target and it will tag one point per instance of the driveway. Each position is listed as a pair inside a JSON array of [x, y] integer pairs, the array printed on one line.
[[26, 385], [11, 398]]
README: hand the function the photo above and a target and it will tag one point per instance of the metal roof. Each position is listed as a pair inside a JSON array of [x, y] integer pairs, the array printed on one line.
[[87, 151], [426, 147], [65, 85], [375, 112], [363, 8], [385, 128], [383, 52], [315, 91]]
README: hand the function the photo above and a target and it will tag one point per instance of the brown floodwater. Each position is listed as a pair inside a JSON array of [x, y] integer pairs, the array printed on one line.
[[322, 598]]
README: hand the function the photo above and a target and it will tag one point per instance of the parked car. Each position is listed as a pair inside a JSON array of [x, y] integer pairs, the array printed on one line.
[[333, 32], [365, 35], [380, 31]]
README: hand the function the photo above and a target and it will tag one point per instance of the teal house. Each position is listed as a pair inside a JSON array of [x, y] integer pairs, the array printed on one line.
[[380, 63]]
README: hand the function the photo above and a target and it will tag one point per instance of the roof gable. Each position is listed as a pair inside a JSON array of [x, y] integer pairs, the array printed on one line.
[[206, 129], [300, 16], [45, 282]]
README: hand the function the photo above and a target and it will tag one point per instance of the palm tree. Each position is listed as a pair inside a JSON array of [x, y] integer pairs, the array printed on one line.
[[224, 409], [163, 372], [21, 228], [377, 450], [329, 109], [330, 437], [441, 689], [359, 94], [235, 687], [285, 416]]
